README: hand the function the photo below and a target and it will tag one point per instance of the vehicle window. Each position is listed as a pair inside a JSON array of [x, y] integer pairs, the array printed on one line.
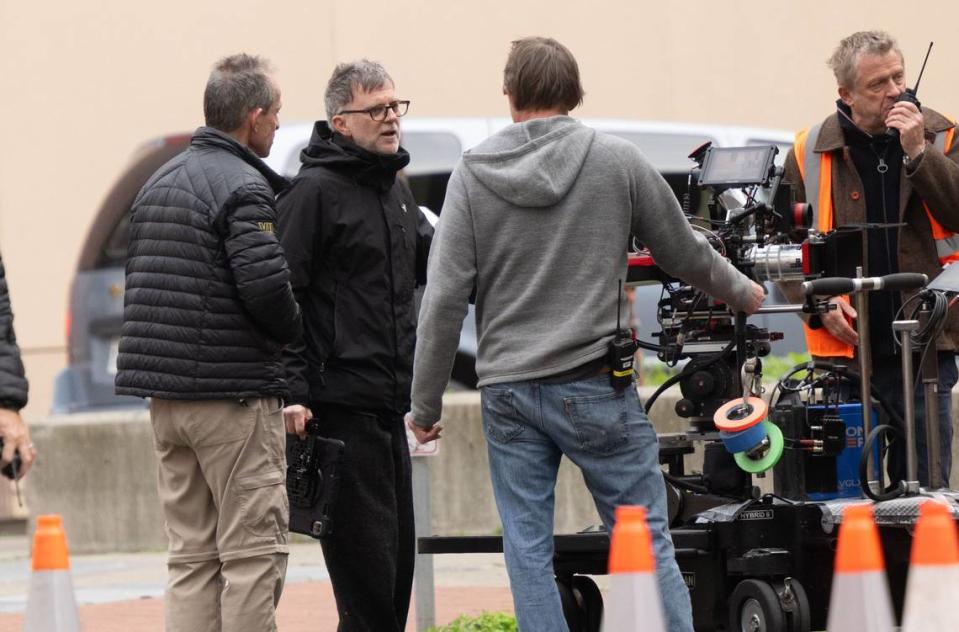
[[432, 152], [432, 158], [667, 152], [114, 251], [429, 189]]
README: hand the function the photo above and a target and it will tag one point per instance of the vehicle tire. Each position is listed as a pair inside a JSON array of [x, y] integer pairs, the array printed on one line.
[[571, 611], [590, 601], [754, 607], [799, 617]]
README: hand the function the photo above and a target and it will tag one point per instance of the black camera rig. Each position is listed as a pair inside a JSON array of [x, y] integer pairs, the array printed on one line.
[[738, 199]]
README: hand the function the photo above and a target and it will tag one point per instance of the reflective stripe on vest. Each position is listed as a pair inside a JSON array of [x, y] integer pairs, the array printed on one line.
[[816, 172], [947, 242]]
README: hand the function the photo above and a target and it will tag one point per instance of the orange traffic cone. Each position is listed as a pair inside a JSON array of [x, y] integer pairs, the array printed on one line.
[[633, 602], [51, 606], [860, 595], [933, 572]]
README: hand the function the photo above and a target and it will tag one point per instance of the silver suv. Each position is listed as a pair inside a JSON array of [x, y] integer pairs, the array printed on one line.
[[435, 146]]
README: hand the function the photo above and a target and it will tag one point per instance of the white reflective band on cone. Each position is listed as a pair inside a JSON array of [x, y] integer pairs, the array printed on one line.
[[633, 604], [51, 606], [931, 596], [860, 603]]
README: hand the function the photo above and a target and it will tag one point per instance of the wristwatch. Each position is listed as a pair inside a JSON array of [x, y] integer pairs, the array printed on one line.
[[910, 162]]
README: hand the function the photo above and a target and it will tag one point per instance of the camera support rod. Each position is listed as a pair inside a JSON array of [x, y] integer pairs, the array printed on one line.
[[905, 328], [864, 351], [929, 368]]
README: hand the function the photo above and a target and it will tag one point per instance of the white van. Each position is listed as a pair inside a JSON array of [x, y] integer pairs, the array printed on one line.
[[435, 146]]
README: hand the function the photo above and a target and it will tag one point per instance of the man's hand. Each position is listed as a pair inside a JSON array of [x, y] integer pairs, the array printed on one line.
[[757, 298], [295, 417], [16, 437], [423, 434], [835, 322], [907, 118]]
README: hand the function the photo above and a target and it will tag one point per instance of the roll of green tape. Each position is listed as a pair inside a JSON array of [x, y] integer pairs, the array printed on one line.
[[772, 456]]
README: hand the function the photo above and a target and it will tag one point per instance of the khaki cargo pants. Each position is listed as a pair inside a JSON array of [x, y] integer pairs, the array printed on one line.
[[222, 468]]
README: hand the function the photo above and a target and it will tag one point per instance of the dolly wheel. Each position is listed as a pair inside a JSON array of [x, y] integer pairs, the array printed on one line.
[[754, 607], [590, 601], [572, 612]]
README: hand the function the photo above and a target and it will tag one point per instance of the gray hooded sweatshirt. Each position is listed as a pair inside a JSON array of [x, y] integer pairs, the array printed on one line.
[[537, 218]]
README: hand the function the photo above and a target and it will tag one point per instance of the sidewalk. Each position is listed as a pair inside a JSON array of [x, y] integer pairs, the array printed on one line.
[[124, 592]]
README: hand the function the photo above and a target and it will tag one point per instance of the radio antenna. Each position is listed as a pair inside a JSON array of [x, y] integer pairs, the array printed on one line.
[[921, 70], [619, 303]]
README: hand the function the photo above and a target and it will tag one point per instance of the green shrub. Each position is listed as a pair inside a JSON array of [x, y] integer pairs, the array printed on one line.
[[486, 622]]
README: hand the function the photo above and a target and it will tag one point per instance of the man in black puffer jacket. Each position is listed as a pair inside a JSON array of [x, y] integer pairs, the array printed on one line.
[[357, 245], [13, 390], [208, 309]]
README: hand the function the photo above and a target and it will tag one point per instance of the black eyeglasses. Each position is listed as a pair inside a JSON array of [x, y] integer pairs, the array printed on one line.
[[381, 112]]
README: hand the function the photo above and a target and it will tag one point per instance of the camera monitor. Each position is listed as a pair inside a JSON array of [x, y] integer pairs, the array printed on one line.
[[726, 167]]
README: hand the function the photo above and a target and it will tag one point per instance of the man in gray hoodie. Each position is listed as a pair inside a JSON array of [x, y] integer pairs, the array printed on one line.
[[536, 221]]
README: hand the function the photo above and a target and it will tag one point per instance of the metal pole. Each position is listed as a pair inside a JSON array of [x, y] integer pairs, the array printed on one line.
[[423, 519], [905, 327], [864, 351], [930, 383]]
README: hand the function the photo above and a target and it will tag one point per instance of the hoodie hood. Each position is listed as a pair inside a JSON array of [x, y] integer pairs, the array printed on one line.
[[534, 163], [333, 151]]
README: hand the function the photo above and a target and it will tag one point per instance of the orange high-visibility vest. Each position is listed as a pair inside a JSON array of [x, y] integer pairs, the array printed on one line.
[[816, 171]]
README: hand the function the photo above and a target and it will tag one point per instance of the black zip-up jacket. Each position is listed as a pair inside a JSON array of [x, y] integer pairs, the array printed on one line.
[[208, 303], [357, 246], [881, 193], [13, 384]]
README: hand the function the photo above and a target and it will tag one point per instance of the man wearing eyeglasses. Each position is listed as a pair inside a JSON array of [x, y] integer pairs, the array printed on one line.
[[357, 243]]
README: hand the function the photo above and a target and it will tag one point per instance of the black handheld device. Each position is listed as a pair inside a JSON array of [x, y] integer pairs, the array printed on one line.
[[910, 93], [621, 351], [11, 469], [313, 480]]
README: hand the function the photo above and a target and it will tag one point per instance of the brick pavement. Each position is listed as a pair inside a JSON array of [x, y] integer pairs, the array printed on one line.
[[305, 607]]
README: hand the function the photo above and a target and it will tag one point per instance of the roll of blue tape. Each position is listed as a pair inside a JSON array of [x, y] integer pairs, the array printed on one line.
[[749, 438]]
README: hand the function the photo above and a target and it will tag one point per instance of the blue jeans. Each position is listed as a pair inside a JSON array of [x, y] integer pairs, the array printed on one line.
[[529, 426]]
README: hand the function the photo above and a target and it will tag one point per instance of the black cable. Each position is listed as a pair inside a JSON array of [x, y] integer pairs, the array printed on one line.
[[662, 387], [686, 371], [853, 377], [681, 484], [895, 489]]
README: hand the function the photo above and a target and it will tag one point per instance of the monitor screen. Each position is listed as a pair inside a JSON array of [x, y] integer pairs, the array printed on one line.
[[737, 166]]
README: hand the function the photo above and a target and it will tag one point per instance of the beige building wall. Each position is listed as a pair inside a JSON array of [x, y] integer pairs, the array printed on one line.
[[86, 82]]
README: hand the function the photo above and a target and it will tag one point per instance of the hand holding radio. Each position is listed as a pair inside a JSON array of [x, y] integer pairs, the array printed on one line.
[[905, 118]]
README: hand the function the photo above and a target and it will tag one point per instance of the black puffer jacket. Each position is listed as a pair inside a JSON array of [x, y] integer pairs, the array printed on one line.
[[13, 385], [208, 304], [357, 244]]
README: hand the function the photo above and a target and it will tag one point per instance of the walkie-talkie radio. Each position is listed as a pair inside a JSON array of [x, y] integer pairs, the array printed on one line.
[[12, 469], [622, 349], [312, 480], [910, 93]]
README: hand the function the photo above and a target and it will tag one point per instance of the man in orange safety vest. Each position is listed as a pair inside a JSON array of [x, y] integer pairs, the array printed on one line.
[[893, 166]]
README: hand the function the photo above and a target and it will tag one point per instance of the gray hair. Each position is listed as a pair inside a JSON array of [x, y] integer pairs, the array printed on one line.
[[364, 74], [845, 58], [238, 84]]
